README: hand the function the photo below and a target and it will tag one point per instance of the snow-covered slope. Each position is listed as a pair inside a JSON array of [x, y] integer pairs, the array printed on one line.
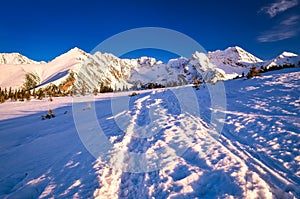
[[233, 60], [178, 71], [103, 68], [256, 155], [56, 71], [13, 75], [15, 58]]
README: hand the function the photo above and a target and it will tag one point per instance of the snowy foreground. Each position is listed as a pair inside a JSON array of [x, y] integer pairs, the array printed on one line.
[[256, 155]]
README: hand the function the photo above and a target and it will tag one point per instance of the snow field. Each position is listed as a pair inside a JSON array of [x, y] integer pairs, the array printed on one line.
[[255, 156]]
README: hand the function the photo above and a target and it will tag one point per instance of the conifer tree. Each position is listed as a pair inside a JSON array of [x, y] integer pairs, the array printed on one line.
[[34, 93], [41, 94], [16, 95], [2, 100], [28, 95], [31, 81], [196, 83], [12, 98], [253, 72], [6, 96], [22, 95], [95, 91], [9, 92]]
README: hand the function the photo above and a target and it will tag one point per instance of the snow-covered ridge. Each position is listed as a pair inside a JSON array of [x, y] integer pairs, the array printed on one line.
[[285, 58], [92, 70], [234, 54], [287, 54], [15, 58], [233, 60]]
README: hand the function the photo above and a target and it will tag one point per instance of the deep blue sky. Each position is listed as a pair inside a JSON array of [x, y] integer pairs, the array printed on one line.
[[42, 30]]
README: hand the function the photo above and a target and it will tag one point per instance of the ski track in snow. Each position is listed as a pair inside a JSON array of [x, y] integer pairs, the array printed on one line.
[[257, 154]]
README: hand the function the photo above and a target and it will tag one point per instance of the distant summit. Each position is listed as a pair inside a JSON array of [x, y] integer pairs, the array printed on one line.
[[233, 55], [15, 58]]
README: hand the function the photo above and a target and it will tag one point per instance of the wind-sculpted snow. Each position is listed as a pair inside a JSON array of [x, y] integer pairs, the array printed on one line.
[[256, 155]]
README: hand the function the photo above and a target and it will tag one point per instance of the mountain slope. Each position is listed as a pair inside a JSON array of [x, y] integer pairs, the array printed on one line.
[[15, 58], [285, 58], [233, 60], [14, 75]]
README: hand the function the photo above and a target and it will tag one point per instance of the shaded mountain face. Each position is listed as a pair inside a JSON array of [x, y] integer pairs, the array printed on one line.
[[108, 70], [90, 71]]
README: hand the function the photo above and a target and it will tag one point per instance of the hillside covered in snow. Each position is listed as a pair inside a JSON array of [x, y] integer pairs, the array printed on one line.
[[256, 155], [90, 71], [15, 58]]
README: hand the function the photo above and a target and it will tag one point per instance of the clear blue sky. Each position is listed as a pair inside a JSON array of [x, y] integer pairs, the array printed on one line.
[[42, 29]]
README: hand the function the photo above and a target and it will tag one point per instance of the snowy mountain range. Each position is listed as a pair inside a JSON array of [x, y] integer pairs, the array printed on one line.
[[91, 70]]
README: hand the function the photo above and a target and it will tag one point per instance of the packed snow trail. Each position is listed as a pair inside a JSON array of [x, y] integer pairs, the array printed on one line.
[[256, 155], [205, 169]]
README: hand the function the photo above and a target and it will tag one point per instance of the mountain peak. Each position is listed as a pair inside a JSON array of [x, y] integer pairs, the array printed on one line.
[[235, 54], [15, 58], [241, 55], [287, 54], [76, 50], [235, 48]]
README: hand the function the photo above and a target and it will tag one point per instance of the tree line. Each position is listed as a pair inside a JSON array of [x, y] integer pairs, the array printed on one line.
[[21, 94]]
